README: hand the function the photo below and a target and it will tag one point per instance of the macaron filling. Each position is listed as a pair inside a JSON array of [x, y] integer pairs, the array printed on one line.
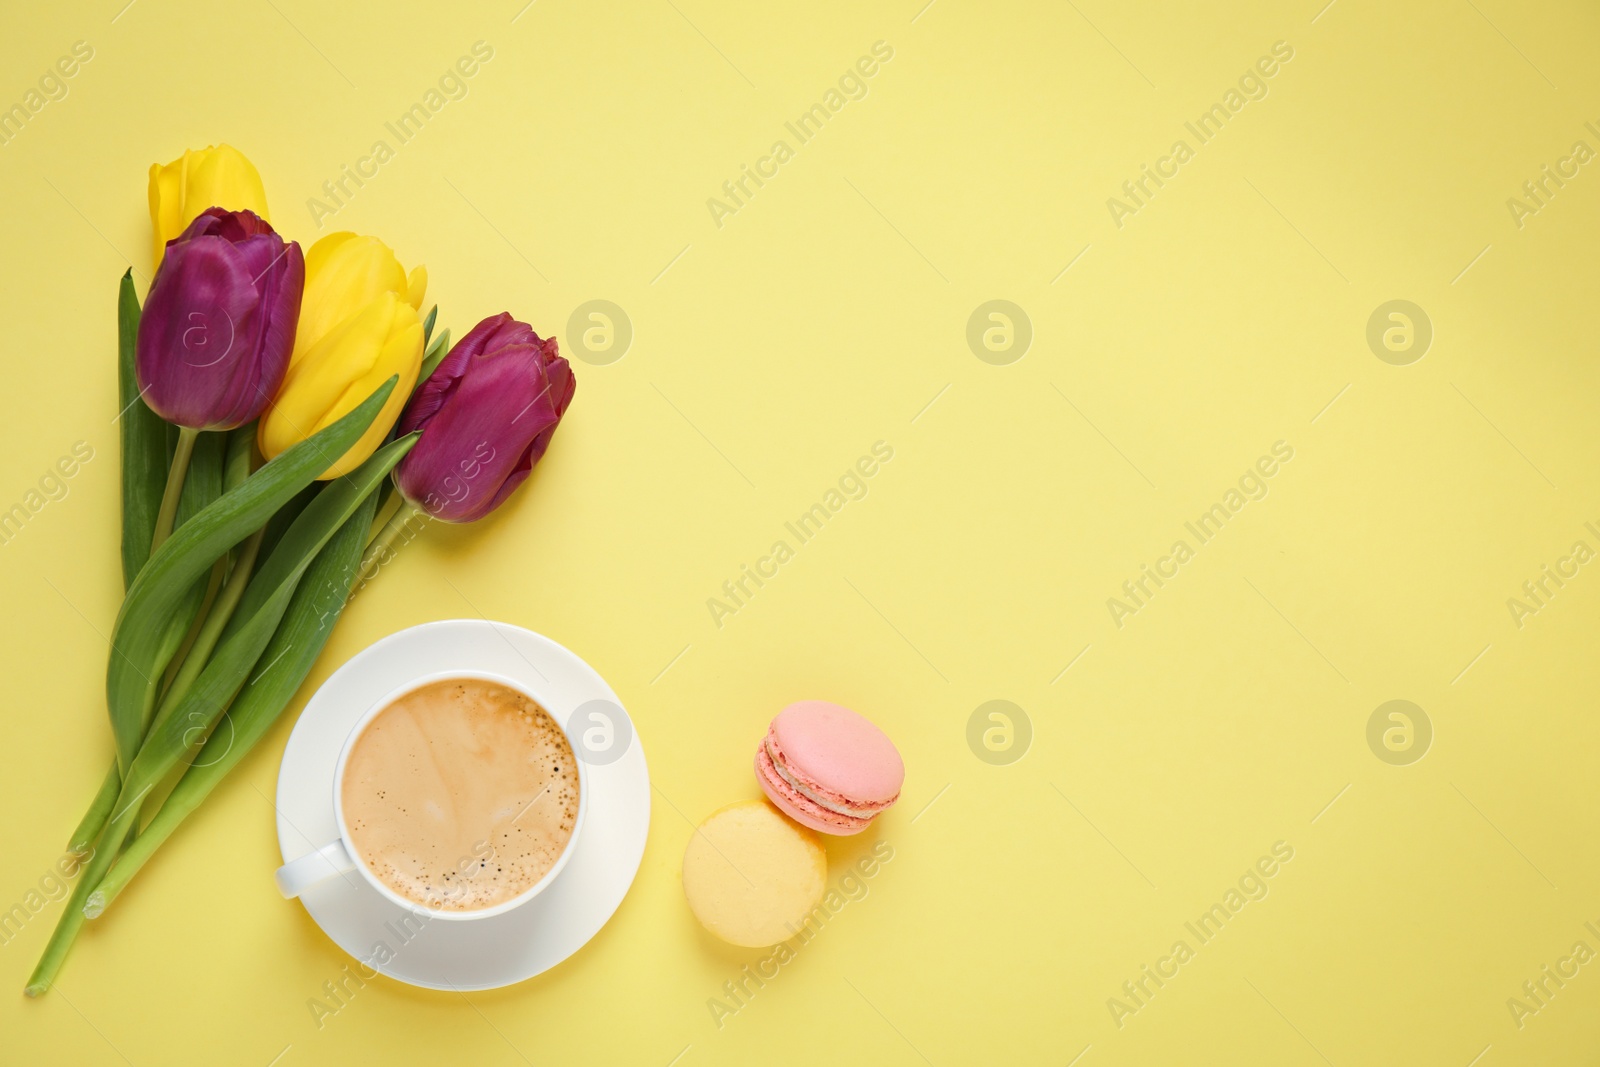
[[820, 799], [797, 806]]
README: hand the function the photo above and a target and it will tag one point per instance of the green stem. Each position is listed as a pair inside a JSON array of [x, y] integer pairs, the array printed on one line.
[[99, 811], [175, 476], [71, 921], [236, 468], [172, 813], [219, 572], [392, 529], [210, 630]]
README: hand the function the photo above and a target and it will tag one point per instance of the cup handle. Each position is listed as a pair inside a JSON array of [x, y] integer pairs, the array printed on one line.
[[296, 876]]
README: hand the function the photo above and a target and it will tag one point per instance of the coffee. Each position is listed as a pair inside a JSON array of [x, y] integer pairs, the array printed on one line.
[[461, 794]]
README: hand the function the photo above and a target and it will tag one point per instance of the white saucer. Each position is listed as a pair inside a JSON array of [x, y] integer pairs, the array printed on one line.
[[484, 953]]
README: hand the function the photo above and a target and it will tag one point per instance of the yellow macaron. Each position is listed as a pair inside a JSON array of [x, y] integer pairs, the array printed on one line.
[[752, 875]]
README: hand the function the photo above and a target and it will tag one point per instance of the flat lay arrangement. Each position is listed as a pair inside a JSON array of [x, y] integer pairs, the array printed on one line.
[[896, 533]]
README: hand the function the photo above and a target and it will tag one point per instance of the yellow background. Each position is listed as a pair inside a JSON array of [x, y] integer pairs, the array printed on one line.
[[773, 351]]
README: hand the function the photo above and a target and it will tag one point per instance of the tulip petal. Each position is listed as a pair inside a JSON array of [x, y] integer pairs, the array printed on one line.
[[198, 363], [223, 177], [384, 339], [417, 286], [480, 443], [442, 382], [476, 339], [216, 176], [402, 355], [345, 272], [496, 331], [166, 205], [563, 384], [518, 475], [315, 381], [281, 285]]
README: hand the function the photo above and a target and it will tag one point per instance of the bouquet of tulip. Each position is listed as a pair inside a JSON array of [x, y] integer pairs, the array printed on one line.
[[267, 397]]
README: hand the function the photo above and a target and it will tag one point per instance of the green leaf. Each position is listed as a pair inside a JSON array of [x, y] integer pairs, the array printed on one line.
[[138, 651], [241, 449], [144, 443], [284, 517], [427, 325], [203, 483], [433, 357], [279, 672], [385, 493]]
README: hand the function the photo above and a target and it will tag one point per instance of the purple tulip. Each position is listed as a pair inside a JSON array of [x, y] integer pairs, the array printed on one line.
[[218, 326], [487, 414]]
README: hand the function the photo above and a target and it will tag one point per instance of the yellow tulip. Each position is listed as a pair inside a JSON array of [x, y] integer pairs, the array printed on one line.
[[215, 176], [344, 273], [358, 326]]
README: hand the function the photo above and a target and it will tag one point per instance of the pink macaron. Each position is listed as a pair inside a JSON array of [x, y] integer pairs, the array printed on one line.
[[828, 768]]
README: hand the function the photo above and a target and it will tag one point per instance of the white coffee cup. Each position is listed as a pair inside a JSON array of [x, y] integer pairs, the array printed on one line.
[[339, 857]]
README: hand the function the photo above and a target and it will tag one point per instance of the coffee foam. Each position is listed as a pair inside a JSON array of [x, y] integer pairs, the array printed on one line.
[[461, 794]]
